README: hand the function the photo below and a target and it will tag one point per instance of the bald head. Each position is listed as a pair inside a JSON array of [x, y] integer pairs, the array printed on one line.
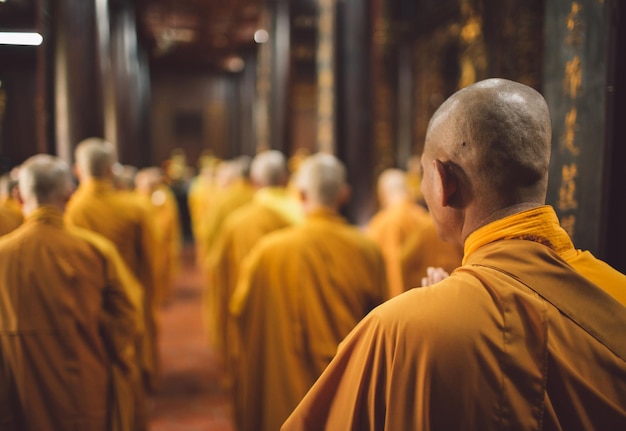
[[392, 187], [322, 181], [95, 158], [147, 180], [499, 133], [269, 169], [44, 180]]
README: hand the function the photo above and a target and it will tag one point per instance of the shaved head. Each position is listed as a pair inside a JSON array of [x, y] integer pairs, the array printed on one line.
[[323, 178], [95, 158], [486, 155], [269, 168], [44, 179], [392, 186], [499, 133]]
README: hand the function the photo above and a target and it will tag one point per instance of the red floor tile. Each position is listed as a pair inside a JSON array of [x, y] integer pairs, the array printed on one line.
[[189, 396]]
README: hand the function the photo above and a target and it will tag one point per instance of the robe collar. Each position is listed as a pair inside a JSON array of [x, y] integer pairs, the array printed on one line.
[[538, 224], [46, 214], [324, 214], [95, 185]]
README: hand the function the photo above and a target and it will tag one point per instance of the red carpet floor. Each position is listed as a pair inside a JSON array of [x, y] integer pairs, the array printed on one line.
[[189, 396]]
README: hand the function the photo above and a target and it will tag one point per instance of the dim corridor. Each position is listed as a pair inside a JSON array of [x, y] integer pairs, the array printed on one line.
[[189, 397]]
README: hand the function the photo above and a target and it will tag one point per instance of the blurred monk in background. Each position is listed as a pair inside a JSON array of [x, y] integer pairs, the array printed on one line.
[[10, 209], [117, 215], [271, 208], [67, 323], [162, 204], [407, 235], [301, 290], [234, 189]]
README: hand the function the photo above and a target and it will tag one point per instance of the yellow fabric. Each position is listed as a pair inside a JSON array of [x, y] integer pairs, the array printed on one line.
[[282, 201], [200, 200], [240, 231], [120, 217], [300, 291], [129, 403], [163, 208], [9, 220], [408, 239], [542, 225], [479, 350], [237, 194], [66, 322]]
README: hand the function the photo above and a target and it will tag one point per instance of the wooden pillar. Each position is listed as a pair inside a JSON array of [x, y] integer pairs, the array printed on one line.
[[575, 85], [615, 176], [127, 87], [44, 103], [325, 61], [355, 145], [78, 96], [279, 60], [384, 66]]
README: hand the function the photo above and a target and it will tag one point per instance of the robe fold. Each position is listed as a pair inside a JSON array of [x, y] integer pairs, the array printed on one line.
[[226, 201], [408, 239], [120, 217], [483, 349], [269, 210], [9, 220], [300, 291], [66, 327]]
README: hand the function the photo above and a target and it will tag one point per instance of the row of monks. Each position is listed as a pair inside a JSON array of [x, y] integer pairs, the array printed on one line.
[[266, 232], [311, 316]]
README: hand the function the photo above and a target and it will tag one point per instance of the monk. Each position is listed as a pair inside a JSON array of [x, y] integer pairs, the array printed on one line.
[[118, 216], [10, 209], [527, 334], [234, 189], [300, 291], [407, 236], [67, 323], [162, 205], [272, 208]]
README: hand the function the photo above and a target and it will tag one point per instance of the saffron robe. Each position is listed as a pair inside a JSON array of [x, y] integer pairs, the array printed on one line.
[[301, 290], [125, 221], [234, 196], [410, 244], [66, 324], [481, 349], [163, 207], [9, 220], [269, 210]]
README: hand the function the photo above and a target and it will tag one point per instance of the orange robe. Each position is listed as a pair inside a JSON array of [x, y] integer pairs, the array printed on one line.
[[301, 290], [409, 241], [482, 350], [9, 220], [234, 196], [66, 326], [270, 210], [125, 221], [163, 207]]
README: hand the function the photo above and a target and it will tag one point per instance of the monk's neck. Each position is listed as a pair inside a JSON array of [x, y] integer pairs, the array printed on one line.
[[484, 218]]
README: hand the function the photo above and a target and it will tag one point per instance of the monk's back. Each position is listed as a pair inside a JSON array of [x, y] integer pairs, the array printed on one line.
[[55, 369]]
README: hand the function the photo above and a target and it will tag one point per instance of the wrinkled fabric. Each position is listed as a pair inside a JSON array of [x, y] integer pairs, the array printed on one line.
[[481, 350], [226, 201], [126, 222], [9, 220], [66, 325], [240, 232], [301, 290], [410, 244]]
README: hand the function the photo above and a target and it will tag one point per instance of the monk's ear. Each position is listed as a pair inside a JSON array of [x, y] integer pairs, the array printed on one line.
[[344, 195], [447, 182]]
